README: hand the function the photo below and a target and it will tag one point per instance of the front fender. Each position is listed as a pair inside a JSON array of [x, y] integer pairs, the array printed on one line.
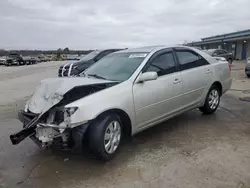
[[117, 97]]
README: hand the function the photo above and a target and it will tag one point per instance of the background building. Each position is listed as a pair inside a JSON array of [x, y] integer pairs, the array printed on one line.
[[238, 43]]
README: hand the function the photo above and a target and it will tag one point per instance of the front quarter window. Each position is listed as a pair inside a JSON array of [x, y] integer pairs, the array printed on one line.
[[116, 66]]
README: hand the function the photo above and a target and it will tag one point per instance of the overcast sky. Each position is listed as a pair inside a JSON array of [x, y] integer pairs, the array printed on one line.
[[90, 24]]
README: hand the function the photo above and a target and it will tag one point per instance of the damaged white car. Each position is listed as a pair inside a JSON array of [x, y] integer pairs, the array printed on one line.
[[122, 94]]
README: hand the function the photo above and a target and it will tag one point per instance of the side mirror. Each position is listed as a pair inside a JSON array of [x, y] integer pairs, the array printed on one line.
[[215, 54], [147, 76]]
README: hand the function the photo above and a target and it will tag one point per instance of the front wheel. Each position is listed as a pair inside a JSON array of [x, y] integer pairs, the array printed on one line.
[[212, 101], [104, 136]]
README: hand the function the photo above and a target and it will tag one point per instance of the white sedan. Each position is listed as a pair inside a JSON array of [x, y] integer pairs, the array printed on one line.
[[122, 94]]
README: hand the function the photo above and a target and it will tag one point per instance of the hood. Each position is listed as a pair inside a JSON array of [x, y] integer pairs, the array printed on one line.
[[51, 91]]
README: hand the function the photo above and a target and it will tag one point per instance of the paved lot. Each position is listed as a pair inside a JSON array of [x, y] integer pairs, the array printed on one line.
[[191, 150]]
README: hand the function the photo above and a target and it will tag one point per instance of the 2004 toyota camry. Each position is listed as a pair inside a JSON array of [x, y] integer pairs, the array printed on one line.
[[121, 95]]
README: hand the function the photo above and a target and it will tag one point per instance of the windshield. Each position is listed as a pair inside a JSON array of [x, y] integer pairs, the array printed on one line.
[[90, 56], [116, 67]]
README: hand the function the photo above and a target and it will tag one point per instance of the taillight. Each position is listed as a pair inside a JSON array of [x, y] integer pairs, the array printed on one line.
[[229, 67]]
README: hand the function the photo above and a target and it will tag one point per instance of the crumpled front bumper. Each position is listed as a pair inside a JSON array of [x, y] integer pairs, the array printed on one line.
[[31, 126]]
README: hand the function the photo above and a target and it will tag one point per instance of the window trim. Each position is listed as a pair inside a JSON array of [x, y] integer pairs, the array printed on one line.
[[155, 55], [97, 58], [191, 51]]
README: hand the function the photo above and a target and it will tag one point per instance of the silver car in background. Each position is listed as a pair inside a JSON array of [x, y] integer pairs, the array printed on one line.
[[123, 94], [220, 53]]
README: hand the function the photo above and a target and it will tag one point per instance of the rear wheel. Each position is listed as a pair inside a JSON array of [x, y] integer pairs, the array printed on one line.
[[104, 136], [212, 101]]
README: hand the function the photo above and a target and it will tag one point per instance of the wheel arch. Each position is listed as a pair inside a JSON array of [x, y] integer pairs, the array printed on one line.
[[219, 85], [125, 119]]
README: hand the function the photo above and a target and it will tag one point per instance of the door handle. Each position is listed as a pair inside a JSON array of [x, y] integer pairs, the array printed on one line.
[[176, 81], [208, 71]]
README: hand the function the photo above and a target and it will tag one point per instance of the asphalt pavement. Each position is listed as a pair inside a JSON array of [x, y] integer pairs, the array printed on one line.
[[191, 150]]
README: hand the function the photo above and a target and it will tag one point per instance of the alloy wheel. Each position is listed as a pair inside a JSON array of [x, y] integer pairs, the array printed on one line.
[[112, 137], [213, 99]]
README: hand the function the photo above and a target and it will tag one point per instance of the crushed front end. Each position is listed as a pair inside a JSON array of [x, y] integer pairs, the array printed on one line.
[[47, 120], [53, 127]]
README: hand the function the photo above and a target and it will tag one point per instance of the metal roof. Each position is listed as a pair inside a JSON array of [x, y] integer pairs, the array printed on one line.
[[239, 35], [228, 35]]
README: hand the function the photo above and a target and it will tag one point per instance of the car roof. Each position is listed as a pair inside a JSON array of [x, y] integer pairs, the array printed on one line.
[[148, 49], [102, 50]]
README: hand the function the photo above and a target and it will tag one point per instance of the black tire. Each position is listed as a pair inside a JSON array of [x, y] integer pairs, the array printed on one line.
[[96, 134], [207, 109], [248, 75]]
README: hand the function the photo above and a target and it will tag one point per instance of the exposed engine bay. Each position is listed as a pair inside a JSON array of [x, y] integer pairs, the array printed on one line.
[[53, 125]]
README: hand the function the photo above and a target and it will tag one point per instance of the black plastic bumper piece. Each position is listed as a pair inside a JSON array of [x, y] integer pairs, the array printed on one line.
[[29, 128], [21, 135]]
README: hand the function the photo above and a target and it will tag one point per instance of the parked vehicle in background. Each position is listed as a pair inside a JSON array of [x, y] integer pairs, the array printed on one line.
[[220, 53], [75, 68], [122, 94], [73, 57], [247, 69], [2, 60], [42, 58], [14, 59], [50, 57], [28, 60]]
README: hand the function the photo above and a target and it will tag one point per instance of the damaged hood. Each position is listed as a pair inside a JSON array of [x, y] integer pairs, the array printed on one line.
[[51, 91]]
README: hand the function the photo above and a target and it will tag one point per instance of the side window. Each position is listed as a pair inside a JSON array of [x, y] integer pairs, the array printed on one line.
[[189, 59], [162, 64]]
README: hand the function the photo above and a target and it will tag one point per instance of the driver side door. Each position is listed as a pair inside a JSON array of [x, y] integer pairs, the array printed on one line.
[[157, 99]]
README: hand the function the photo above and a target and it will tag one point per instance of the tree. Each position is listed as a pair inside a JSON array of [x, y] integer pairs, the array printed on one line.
[[59, 52], [66, 50]]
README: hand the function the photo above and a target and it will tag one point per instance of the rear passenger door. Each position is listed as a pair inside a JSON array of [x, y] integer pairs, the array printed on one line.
[[197, 75]]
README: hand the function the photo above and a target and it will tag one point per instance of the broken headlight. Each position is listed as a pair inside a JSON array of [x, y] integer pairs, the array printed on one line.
[[67, 114]]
